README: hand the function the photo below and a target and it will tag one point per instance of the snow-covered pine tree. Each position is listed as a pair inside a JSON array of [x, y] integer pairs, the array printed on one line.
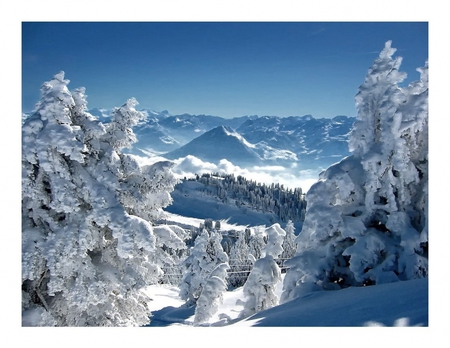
[[366, 219], [284, 203], [170, 252], [256, 242], [193, 278], [240, 265], [212, 294], [259, 290], [85, 256], [275, 237], [289, 245], [205, 256]]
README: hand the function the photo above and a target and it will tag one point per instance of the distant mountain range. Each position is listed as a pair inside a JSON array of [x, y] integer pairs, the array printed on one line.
[[247, 140], [304, 141], [162, 132]]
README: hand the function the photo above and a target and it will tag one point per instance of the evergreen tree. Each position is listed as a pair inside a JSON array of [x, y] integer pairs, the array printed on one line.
[[85, 256], [275, 237], [259, 290], [366, 220], [257, 243], [212, 294], [205, 256], [240, 265], [289, 245], [170, 252]]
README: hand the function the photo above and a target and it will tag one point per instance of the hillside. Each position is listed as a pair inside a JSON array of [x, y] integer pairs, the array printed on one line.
[[237, 200]]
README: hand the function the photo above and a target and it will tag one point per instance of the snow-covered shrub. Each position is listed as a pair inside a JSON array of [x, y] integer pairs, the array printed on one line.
[[86, 254], [366, 219]]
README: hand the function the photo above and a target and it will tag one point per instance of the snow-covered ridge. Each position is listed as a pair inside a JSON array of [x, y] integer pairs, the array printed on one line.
[[230, 132]]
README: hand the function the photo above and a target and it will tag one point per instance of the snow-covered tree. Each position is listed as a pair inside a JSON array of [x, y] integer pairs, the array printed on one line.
[[85, 255], [212, 294], [275, 237], [170, 252], [205, 256], [289, 246], [240, 265], [193, 277], [259, 290], [366, 219], [118, 133], [256, 243]]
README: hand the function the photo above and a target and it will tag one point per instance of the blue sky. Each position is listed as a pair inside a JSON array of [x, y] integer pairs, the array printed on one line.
[[226, 69]]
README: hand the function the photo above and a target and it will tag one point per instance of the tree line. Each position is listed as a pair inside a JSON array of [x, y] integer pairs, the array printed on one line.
[[286, 203]]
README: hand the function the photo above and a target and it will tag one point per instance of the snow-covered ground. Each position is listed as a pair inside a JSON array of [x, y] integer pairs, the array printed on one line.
[[370, 308], [352, 317], [186, 222], [395, 304]]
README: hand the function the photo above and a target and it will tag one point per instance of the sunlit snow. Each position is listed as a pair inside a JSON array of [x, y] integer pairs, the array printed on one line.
[[395, 304]]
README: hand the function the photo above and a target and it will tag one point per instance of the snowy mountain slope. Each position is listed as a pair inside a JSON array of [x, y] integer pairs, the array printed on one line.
[[306, 141], [395, 304], [402, 303], [237, 200], [165, 132], [188, 222], [314, 141], [207, 207], [103, 115], [219, 143], [188, 200], [151, 130]]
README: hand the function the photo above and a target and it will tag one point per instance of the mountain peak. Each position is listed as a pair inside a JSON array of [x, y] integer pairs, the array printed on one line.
[[222, 129], [221, 142]]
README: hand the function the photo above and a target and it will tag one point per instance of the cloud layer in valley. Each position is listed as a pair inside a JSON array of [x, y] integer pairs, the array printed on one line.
[[290, 177]]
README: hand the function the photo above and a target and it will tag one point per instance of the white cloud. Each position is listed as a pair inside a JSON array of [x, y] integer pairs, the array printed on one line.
[[189, 166], [148, 160], [291, 178], [269, 168]]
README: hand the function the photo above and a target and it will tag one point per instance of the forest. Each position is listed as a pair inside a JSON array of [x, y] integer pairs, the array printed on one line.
[[286, 203]]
